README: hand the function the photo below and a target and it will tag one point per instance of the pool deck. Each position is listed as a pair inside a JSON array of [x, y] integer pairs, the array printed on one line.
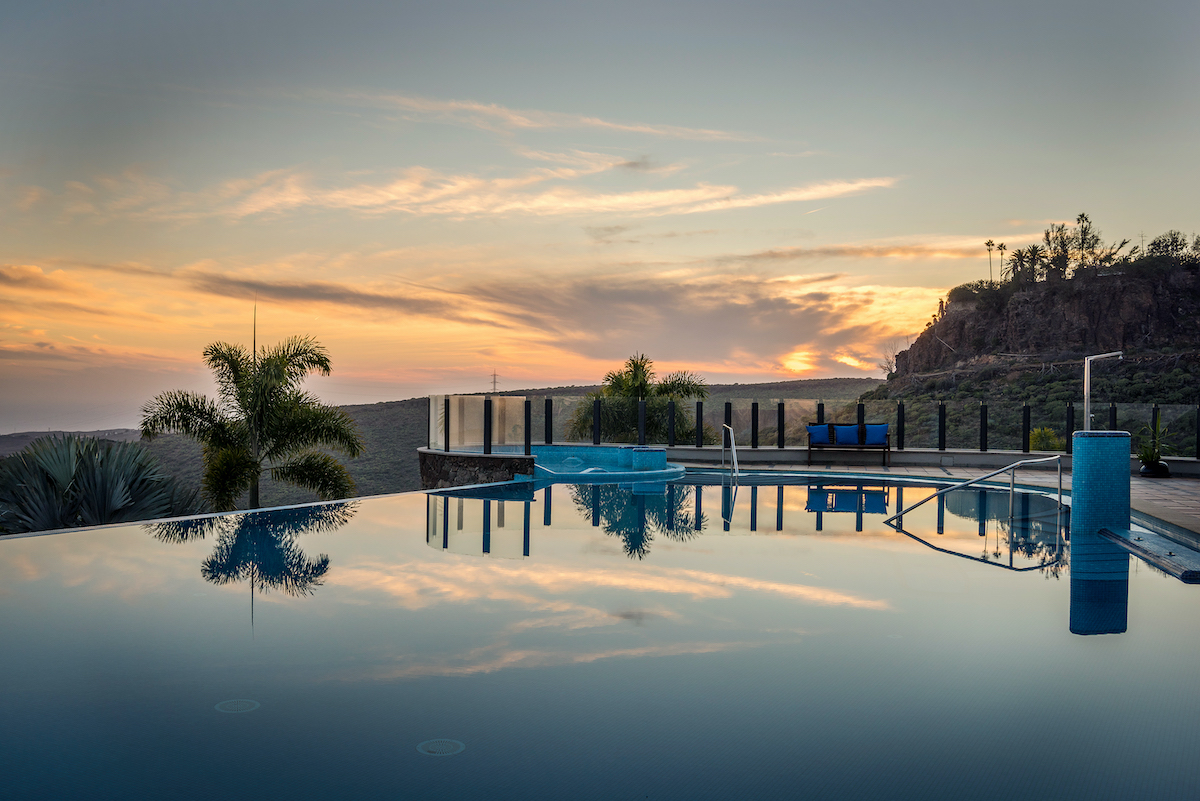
[[1174, 500]]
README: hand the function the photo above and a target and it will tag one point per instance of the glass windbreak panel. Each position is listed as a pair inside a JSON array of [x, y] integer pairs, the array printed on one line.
[[1179, 422], [1048, 426], [572, 418], [962, 424], [1004, 426], [437, 422], [508, 422]]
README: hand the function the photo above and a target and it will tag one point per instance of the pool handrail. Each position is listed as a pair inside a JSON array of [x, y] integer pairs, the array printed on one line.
[[733, 451], [1012, 486]]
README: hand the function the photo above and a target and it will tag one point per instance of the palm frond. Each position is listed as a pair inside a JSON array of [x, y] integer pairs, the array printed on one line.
[[228, 472], [187, 413], [303, 423], [318, 472], [232, 367]]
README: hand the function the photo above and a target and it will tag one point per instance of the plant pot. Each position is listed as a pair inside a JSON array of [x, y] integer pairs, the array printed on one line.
[[1159, 470]]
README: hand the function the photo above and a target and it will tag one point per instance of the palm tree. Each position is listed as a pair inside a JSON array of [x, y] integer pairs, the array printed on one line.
[[1015, 272], [634, 382], [1001, 248], [989, 245], [261, 421]]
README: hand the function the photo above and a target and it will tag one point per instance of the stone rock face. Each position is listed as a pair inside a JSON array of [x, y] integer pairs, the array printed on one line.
[[1094, 315], [441, 470]]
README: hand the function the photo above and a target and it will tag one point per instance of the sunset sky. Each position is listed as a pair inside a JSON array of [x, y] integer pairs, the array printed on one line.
[[753, 191]]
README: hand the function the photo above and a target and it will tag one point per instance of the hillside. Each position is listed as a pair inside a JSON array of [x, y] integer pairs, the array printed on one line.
[[394, 430]]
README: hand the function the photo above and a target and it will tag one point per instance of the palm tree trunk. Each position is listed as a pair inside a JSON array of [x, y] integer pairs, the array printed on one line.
[[254, 504]]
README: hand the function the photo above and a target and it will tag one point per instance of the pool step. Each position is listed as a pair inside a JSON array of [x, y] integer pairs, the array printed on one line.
[[1167, 555]]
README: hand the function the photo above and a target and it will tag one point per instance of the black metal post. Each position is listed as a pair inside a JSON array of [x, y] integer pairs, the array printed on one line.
[[1070, 425], [941, 425], [1198, 431], [446, 420], [487, 425], [983, 426], [1154, 420], [549, 435], [754, 425], [1112, 418], [528, 427], [671, 425], [779, 432], [596, 422], [699, 427], [862, 414], [820, 413], [899, 425], [727, 437], [1025, 427], [641, 422]]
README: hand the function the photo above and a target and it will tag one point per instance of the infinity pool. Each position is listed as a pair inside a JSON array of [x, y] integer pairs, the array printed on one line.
[[595, 641]]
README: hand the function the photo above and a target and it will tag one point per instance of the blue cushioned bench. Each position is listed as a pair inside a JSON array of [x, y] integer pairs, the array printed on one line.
[[851, 438]]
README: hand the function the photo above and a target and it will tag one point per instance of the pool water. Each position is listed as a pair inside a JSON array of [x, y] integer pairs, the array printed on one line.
[[590, 642]]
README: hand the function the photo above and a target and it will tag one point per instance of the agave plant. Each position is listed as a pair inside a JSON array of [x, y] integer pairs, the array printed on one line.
[[66, 481]]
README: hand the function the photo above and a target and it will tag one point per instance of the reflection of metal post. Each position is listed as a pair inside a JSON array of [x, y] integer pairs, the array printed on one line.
[[546, 511], [1099, 499], [754, 508], [726, 503], [981, 512], [595, 504], [445, 522], [499, 514], [858, 512], [699, 502], [941, 514], [487, 526], [459, 527], [899, 506], [526, 549], [779, 507], [820, 521]]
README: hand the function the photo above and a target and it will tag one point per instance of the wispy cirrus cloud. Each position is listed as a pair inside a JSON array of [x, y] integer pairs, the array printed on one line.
[[421, 191], [494, 117]]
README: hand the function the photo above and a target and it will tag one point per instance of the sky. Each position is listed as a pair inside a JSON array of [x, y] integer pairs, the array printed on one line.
[[758, 191]]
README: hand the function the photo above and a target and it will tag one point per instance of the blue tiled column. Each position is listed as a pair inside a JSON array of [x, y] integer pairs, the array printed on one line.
[[1099, 499]]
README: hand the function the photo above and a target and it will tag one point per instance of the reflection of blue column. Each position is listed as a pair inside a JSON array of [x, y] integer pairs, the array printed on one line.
[[941, 514], [1099, 499], [754, 508], [981, 512], [546, 501], [487, 526], [858, 512]]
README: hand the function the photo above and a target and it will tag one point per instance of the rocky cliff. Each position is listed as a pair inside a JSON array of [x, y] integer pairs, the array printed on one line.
[[1135, 311]]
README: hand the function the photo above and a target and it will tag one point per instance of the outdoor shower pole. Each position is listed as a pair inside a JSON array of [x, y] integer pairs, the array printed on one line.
[[1087, 385]]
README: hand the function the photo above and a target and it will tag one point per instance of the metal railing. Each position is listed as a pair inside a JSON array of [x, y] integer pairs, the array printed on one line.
[[896, 521], [733, 451]]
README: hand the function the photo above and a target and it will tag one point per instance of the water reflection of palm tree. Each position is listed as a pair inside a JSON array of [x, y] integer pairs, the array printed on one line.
[[261, 547], [637, 517]]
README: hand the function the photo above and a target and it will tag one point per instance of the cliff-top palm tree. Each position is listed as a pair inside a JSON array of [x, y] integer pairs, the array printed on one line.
[[261, 421]]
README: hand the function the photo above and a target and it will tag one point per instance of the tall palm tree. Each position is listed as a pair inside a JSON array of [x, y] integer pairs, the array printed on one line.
[[636, 381], [262, 421], [989, 245], [1001, 248]]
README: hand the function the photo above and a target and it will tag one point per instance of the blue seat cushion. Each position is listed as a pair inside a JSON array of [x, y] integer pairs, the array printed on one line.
[[846, 435], [818, 435], [877, 435]]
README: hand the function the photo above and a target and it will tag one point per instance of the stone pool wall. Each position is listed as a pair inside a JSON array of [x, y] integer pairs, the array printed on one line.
[[440, 470]]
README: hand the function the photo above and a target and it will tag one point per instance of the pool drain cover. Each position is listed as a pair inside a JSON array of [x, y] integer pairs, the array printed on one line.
[[441, 747], [238, 705]]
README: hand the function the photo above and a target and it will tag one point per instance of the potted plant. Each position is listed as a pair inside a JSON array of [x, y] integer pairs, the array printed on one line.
[[1150, 452]]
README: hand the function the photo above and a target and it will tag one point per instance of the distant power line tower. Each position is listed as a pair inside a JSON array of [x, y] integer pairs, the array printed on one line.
[[494, 377]]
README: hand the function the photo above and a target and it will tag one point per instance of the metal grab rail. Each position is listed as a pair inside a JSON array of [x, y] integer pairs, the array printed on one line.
[[1012, 486], [733, 450]]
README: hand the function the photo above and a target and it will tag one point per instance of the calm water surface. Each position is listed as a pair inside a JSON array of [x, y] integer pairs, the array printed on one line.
[[592, 643]]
